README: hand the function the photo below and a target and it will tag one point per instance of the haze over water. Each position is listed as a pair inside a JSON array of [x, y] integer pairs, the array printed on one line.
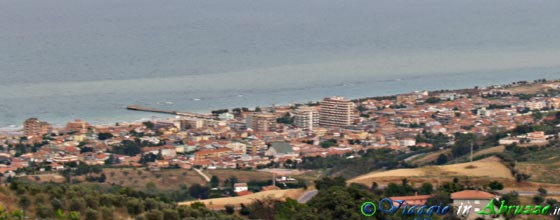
[[67, 59]]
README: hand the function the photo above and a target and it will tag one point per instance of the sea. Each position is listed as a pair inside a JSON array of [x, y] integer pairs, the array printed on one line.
[[66, 59]]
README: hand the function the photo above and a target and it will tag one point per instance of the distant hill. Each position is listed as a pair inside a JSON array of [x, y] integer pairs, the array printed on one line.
[[489, 167], [430, 158]]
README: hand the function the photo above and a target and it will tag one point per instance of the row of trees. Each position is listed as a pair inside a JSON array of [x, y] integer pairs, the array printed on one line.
[[94, 202], [132, 148], [364, 162]]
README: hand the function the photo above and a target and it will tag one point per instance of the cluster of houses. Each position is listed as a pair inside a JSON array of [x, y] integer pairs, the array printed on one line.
[[255, 139]]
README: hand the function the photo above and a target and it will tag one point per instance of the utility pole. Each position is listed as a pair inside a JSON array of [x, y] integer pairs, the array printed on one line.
[[471, 151]]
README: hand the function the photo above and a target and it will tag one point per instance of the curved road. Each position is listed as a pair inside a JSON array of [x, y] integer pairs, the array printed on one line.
[[307, 196]]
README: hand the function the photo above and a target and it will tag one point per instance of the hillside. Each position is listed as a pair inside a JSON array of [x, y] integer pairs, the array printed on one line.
[[490, 150], [429, 157], [488, 167], [139, 178], [171, 179], [220, 203]]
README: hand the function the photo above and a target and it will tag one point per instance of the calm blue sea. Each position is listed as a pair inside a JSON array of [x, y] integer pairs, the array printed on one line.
[[88, 59]]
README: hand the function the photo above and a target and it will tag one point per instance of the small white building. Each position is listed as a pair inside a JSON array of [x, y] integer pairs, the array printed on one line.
[[407, 142], [226, 116], [166, 151], [240, 187]]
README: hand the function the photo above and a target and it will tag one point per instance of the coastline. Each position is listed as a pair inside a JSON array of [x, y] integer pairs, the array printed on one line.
[[162, 116]]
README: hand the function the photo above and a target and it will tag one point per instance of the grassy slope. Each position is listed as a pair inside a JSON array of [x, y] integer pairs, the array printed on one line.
[[488, 168], [543, 165], [236, 201], [430, 157], [242, 175], [170, 179]]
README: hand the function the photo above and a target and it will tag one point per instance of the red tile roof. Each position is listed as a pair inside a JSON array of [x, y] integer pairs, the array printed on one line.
[[413, 200], [244, 193], [472, 194]]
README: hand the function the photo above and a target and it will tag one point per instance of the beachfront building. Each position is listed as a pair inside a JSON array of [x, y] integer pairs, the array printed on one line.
[[306, 118], [77, 126], [336, 112], [34, 127], [261, 121]]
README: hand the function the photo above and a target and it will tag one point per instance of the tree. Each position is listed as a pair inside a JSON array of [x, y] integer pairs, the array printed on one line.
[[44, 211], [230, 209], [56, 204], [542, 191], [220, 111], [170, 214], [339, 202], [537, 115], [104, 136], [327, 182], [552, 202], [511, 198], [159, 155], [198, 191], [214, 182], [77, 204], [134, 206], [91, 214], [110, 161], [231, 181], [439, 197], [520, 177], [463, 144], [244, 210], [86, 149], [151, 186], [426, 189], [151, 204], [495, 185], [374, 185], [328, 143], [127, 147], [433, 100], [92, 201], [24, 202], [442, 159], [148, 124], [538, 199], [286, 119], [154, 215], [102, 178], [107, 213], [148, 158]]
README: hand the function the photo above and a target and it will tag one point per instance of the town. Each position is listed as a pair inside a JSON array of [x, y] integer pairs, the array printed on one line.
[[283, 140], [244, 138]]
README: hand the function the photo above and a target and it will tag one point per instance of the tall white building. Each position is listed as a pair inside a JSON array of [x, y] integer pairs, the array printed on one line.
[[306, 118], [336, 112]]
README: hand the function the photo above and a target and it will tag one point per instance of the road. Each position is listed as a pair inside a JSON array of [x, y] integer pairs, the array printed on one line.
[[202, 174], [307, 196], [529, 193]]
